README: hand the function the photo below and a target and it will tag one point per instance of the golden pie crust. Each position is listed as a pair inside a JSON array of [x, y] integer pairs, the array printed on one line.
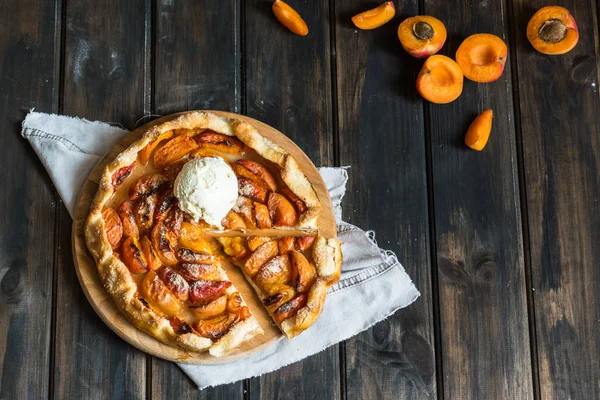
[[120, 284]]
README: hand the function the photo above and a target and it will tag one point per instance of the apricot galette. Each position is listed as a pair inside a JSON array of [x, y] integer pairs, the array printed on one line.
[[190, 199]]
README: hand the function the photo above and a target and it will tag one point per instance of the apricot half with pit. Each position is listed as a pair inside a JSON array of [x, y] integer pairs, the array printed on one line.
[[422, 36], [440, 80], [482, 57], [552, 30]]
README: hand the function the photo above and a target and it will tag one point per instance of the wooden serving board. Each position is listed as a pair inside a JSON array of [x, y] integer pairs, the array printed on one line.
[[110, 314]]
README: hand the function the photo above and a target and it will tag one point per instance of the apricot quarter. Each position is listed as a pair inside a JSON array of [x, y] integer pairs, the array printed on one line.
[[552, 30], [375, 17], [440, 80], [479, 131], [289, 18], [422, 36], [482, 57]]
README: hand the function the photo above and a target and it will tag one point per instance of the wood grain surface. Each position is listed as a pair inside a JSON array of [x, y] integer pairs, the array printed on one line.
[[501, 243]]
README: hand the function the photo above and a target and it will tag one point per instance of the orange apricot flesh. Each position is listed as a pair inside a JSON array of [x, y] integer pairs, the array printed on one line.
[[376, 17], [552, 30], [440, 80], [422, 36], [479, 132], [289, 18], [482, 57]]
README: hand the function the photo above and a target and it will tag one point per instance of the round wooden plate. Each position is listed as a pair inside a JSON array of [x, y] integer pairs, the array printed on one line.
[[110, 314]]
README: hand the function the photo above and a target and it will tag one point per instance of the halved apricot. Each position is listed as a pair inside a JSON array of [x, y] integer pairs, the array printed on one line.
[[282, 211], [422, 36], [125, 211], [250, 189], [262, 216], [156, 292], [113, 227], [482, 57], [298, 203], [233, 220], [440, 80], [150, 254], [263, 253], [133, 257], [173, 150], [255, 172], [223, 143], [203, 291], [289, 18], [212, 309], [147, 185], [216, 327], [145, 154], [375, 17], [552, 30], [175, 282], [290, 308], [479, 131]]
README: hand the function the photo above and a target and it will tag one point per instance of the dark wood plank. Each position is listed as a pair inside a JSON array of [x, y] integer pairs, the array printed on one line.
[[197, 66], [27, 201], [381, 138], [485, 344], [105, 59], [288, 86], [560, 127]]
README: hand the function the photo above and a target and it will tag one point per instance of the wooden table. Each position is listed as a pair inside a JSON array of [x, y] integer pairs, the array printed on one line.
[[504, 245]]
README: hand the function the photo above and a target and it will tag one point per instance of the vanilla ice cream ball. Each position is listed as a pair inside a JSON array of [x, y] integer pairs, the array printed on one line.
[[206, 189]]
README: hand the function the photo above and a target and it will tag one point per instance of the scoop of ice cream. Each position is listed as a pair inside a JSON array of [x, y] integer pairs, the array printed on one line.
[[206, 189]]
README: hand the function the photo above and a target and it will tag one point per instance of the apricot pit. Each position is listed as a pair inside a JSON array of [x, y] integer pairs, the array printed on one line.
[[422, 36]]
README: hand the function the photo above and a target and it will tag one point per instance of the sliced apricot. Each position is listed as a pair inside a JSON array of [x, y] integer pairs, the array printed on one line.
[[144, 211], [147, 185], [479, 131], [150, 254], [289, 18], [290, 308], [255, 172], [162, 243], [282, 211], [482, 57], [277, 294], [422, 36], [234, 302], [193, 237], [223, 143], [174, 282], [145, 154], [192, 257], [440, 80], [286, 244], [254, 242], [212, 309], [113, 227], [125, 211], [158, 295], [276, 270], [375, 17], [552, 30], [262, 216], [174, 150], [245, 207], [263, 253], [166, 201], [203, 291], [248, 188], [216, 327], [196, 272], [119, 175], [298, 203], [233, 220], [132, 256], [304, 242], [303, 272]]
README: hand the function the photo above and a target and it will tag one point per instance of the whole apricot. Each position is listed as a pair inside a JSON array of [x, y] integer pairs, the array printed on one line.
[[440, 80], [482, 57], [479, 132], [552, 30], [422, 36]]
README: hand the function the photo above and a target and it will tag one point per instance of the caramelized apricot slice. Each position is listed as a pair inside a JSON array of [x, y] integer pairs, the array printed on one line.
[[299, 204], [303, 272], [233, 220], [192, 257], [122, 173], [207, 152], [214, 308], [133, 257], [440, 80], [262, 254], [174, 282], [159, 296], [262, 216], [234, 302], [196, 272], [277, 294], [375, 17], [552, 30], [290, 308], [193, 237], [281, 210], [286, 244], [482, 57], [162, 244], [304, 242], [276, 270], [422, 36], [216, 327], [180, 327], [201, 291], [175, 149], [479, 131], [125, 212], [150, 254], [254, 242], [113, 227], [166, 200], [255, 172], [289, 18], [147, 185], [144, 211], [248, 188], [224, 143], [245, 207], [145, 154]]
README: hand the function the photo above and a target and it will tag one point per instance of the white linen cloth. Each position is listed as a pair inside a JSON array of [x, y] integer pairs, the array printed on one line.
[[373, 283]]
